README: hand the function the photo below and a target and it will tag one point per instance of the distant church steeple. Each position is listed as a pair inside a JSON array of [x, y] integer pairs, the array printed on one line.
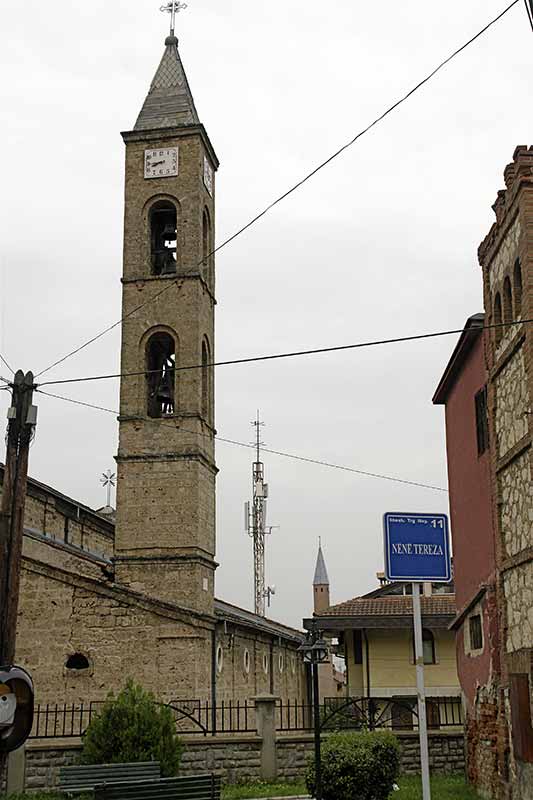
[[320, 583]]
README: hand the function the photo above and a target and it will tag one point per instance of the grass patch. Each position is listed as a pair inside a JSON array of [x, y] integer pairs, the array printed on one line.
[[443, 787], [242, 791]]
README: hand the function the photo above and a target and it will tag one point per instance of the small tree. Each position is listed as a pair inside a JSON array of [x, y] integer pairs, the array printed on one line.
[[133, 727], [357, 765]]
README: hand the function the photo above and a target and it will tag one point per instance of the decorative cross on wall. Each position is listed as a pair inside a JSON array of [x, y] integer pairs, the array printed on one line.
[[108, 480], [173, 8]]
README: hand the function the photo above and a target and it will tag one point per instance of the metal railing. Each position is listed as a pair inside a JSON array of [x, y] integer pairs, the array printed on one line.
[[192, 717], [196, 717], [363, 713]]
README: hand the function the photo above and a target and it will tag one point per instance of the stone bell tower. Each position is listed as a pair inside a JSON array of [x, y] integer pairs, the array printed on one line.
[[165, 534]]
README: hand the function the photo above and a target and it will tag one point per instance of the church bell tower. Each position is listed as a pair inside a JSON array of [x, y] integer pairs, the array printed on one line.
[[165, 533]]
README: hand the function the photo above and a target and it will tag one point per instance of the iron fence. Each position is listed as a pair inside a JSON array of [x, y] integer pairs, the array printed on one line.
[[55, 721], [196, 717], [363, 713]]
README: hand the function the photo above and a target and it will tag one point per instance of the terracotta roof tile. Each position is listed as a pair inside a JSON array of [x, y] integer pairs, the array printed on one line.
[[392, 606]]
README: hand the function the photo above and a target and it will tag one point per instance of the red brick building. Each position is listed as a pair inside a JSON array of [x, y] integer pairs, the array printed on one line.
[[463, 392], [487, 389]]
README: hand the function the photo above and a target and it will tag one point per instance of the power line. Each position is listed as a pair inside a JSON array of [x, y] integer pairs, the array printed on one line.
[[79, 402], [265, 449], [287, 193], [297, 353], [529, 11], [5, 363]]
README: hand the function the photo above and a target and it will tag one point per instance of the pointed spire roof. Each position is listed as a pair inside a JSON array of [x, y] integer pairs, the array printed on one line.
[[321, 573], [169, 103]]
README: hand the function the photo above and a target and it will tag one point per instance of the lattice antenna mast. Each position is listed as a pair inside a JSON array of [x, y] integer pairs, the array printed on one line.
[[255, 523]]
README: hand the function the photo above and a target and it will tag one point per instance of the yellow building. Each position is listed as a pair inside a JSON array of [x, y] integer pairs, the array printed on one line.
[[375, 635]]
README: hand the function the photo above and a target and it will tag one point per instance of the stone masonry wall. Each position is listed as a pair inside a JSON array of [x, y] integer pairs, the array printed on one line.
[[512, 404], [239, 758], [516, 506], [518, 587]]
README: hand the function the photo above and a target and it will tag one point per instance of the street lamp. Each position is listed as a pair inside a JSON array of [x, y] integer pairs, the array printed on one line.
[[314, 652]]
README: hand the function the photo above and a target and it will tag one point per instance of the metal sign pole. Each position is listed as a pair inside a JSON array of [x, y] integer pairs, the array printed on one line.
[[422, 721]]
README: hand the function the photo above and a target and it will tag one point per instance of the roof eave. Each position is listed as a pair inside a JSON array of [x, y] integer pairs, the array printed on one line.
[[335, 622], [471, 332]]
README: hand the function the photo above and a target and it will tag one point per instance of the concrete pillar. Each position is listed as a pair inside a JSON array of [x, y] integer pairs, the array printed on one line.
[[16, 771], [265, 715]]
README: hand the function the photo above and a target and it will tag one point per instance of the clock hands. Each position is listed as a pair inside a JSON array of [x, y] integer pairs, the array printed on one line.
[[156, 164]]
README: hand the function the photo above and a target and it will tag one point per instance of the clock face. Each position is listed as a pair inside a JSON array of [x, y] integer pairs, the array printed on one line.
[[208, 176], [161, 163]]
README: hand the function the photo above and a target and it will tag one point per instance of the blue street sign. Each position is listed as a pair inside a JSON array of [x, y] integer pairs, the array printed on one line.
[[417, 547]]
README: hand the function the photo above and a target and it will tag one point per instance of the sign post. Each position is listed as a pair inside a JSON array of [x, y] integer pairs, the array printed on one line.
[[417, 549], [421, 692]]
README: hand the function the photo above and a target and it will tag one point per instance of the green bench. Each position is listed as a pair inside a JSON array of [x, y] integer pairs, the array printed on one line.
[[85, 778], [194, 787]]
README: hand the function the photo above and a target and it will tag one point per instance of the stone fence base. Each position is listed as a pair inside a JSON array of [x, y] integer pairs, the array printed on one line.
[[239, 758]]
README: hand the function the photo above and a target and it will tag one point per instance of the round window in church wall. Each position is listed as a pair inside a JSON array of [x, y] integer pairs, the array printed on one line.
[[220, 658], [246, 660], [265, 663]]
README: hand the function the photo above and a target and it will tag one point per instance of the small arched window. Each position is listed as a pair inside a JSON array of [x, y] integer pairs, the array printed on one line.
[[77, 661], [498, 318], [206, 246], [206, 381], [160, 375], [163, 237], [517, 281], [507, 302]]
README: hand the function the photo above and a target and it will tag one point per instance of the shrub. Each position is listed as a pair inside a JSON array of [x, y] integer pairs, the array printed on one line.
[[133, 727], [357, 765]]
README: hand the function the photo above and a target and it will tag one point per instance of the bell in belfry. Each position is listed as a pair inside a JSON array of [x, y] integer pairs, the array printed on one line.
[[165, 393], [169, 250]]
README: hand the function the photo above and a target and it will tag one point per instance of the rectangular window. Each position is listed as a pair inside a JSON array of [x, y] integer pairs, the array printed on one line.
[[482, 421], [521, 717], [476, 632], [357, 647]]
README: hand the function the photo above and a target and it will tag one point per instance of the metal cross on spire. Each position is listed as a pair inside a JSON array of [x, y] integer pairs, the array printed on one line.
[[173, 7], [108, 480]]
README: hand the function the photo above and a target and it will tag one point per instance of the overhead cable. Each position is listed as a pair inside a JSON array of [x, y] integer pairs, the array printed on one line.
[[5, 363], [179, 281], [263, 449], [296, 353]]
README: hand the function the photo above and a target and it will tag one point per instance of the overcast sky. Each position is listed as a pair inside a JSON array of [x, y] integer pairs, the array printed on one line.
[[382, 243]]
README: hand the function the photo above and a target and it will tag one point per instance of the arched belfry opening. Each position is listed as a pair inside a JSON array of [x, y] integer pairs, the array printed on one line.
[[206, 381], [161, 375], [163, 238], [206, 246]]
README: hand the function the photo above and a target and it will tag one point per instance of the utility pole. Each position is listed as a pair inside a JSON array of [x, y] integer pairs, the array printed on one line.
[[255, 524], [22, 418]]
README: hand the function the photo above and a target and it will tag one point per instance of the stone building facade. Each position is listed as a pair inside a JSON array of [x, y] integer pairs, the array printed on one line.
[[506, 258], [488, 386], [71, 606], [100, 602]]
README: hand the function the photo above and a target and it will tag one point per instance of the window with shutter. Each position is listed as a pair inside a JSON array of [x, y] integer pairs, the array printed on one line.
[[521, 717]]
